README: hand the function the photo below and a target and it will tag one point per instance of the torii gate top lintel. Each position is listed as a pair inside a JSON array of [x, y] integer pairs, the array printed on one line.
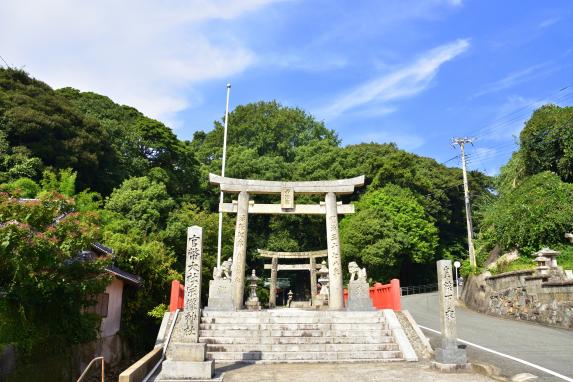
[[293, 255], [253, 186]]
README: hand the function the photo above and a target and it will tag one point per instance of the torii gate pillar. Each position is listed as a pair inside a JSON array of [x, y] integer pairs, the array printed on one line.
[[336, 296], [240, 250]]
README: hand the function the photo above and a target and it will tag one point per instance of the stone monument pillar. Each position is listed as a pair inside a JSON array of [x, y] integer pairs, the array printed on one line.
[[240, 249], [313, 286], [336, 292], [448, 353], [273, 283], [185, 359]]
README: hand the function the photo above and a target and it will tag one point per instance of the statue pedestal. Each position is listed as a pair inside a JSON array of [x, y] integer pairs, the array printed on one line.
[[253, 304], [359, 296], [220, 295]]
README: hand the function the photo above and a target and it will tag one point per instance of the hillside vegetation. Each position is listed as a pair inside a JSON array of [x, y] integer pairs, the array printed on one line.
[[135, 187]]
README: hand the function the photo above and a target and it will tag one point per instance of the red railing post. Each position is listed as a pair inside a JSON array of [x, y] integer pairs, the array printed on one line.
[[345, 296], [395, 294], [174, 298], [377, 300]]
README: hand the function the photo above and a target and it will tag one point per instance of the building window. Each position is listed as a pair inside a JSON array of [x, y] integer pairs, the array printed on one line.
[[100, 308]]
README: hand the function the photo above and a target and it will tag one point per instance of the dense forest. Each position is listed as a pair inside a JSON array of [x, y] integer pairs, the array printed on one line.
[[107, 173]]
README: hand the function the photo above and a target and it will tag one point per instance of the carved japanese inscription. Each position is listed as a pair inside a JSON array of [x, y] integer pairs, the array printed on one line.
[[333, 244], [287, 198], [193, 262], [446, 296]]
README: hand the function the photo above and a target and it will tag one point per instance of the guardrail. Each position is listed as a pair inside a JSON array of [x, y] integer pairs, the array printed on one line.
[[415, 289], [92, 362]]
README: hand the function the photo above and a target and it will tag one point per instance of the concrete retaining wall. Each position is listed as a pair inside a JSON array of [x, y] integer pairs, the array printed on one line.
[[522, 296]]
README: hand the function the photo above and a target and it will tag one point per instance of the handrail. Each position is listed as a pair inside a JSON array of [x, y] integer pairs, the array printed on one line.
[[90, 364], [164, 347], [415, 289]]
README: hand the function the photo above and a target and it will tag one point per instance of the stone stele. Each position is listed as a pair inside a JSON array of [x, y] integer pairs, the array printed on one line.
[[448, 352], [185, 359]]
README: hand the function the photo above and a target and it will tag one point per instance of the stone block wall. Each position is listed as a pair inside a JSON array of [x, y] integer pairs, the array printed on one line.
[[522, 296]]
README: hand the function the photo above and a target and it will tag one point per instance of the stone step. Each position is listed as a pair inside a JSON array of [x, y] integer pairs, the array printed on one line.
[[288, 320], [297, 340], [293, 326], [248, 348], [292, 313], [303, 356], [296, 333]]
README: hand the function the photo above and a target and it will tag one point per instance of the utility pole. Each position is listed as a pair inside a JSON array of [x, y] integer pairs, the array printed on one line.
[[219, 236], [461, 142]]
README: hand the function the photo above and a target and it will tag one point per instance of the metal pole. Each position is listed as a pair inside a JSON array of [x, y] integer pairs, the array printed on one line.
[[219, 237], [457, 285]]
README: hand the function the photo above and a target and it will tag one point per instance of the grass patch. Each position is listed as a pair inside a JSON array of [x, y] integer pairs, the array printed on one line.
[[522, 263], [565, 259]]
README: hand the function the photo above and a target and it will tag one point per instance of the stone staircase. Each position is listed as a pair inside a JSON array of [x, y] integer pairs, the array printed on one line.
[[297, 335]]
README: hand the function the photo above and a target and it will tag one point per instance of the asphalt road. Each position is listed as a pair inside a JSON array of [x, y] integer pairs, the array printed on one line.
[[547, 347]]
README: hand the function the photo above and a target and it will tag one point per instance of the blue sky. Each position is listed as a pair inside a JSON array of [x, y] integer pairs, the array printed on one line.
[[412, 72]]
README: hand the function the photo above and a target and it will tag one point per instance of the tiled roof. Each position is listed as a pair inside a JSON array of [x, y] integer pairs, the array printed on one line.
[[126, 276], [102, 248]]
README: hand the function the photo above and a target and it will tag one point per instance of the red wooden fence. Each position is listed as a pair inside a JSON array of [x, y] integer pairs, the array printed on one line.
[[384, 296], [177, 293]]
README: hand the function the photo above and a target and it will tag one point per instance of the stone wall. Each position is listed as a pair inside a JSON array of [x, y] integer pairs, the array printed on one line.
[[523, 296]]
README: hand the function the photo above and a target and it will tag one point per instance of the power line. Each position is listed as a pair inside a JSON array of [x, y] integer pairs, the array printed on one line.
[[523, 111], [449, 160], [7, 65]]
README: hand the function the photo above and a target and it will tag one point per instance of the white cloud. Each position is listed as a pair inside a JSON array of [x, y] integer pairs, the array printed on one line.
[[509, 118], [549, 22], [404, 82], [517, 77], [143, 53]]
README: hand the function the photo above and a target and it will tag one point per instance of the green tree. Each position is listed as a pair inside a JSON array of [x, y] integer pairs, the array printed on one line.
[[45, 286], [175, 237], [142, 203], [140, 143], [389, 230], [547, 142], [536, 213], [36, 117]]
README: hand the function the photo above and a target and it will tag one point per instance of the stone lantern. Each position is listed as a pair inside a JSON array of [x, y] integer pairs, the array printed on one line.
[[322, 297], [542, 267], [253, 300], [551, 255]]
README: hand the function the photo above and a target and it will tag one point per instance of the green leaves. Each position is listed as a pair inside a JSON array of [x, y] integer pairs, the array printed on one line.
[[390, 227], [534, 214], [46, 286]]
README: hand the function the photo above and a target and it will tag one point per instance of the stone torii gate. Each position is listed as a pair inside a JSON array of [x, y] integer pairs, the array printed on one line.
[[275, 267], [331, 208]]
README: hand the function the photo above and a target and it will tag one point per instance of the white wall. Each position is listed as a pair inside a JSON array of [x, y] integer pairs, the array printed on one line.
[[110, 324]]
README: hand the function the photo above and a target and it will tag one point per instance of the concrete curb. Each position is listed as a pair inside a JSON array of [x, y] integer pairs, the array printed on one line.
[[425, 341], [403, 343]]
